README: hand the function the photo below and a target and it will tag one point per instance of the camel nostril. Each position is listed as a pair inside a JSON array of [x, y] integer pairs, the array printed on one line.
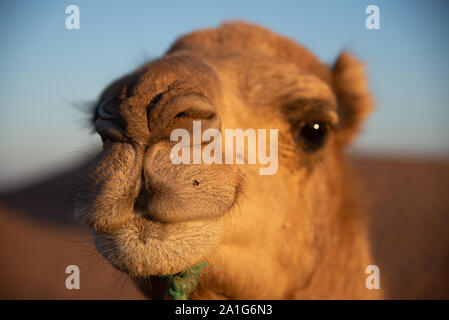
[[196, 114], [206, 114], [103, 111], [108, 124], [180, 112]]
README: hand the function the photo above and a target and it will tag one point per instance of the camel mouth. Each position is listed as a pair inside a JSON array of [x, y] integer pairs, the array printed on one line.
[[137, 239], [150, 217], [144, 247], [137, 234]]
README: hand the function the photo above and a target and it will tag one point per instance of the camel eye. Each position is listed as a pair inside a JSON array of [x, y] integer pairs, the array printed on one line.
[[313, 135]]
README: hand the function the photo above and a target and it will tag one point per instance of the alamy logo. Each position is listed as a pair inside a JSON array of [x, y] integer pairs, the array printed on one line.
[[73, 20], [73, 280], [213, 151], [373, 20], [373, 280]]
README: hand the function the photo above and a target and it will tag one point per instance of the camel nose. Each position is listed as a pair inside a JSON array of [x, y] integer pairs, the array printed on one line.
[[179, 112]]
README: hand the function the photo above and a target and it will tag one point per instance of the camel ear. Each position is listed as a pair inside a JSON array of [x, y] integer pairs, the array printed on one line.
[[353, 97]]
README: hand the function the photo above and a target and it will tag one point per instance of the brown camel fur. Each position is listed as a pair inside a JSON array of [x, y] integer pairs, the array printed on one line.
[[297, 234]]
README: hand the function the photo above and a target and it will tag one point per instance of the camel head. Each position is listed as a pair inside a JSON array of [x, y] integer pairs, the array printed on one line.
[[262, 235]]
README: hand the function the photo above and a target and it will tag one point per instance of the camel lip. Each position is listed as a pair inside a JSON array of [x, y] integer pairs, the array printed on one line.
[[112, 219], [128, 249]]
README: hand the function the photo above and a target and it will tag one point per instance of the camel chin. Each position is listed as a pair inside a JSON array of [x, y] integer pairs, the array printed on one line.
[[143, 248]]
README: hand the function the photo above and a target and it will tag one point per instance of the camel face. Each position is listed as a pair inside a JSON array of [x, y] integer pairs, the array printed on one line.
[[263, 236]]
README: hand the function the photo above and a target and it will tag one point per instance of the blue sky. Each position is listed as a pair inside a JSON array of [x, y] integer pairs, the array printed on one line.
[[46, 68]]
